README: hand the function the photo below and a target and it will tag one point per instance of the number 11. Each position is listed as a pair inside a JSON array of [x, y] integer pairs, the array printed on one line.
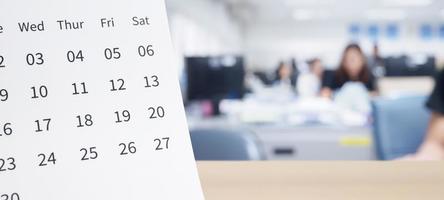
[[81, 89]]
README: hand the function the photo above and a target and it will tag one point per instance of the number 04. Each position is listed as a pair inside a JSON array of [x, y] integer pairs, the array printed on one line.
[[73, 56]]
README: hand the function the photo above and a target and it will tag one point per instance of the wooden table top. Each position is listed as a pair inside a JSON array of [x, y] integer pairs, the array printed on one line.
[[322, 180]]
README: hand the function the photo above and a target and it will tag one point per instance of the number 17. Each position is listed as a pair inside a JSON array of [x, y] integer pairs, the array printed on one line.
[[39, 124]]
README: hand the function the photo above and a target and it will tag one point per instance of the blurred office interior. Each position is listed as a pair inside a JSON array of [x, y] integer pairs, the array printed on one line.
[[253, 72]]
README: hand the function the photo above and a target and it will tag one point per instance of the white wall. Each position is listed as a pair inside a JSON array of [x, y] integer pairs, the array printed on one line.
[[206, 27], [267, 43], [202, 27]]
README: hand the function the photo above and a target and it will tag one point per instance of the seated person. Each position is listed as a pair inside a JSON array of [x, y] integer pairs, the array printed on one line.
[[316, 68], [284, 75], [353, 68], [309, 83], [433, 146]]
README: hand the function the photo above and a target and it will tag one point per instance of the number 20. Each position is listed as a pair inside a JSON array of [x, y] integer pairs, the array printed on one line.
[[155, 113], [13, 196]]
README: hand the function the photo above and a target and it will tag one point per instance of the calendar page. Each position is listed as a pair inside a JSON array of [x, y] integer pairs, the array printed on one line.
[[90, 105]]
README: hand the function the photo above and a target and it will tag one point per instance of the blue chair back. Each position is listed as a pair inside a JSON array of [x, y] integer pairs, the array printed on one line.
[[211, 144], [399, 125]]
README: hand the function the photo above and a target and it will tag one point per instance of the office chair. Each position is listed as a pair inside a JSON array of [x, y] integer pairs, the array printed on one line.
[[218, 144], [399, 125]]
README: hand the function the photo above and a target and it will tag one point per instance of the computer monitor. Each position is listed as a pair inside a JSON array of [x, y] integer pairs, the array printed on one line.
[[410, 66], [215, 78]]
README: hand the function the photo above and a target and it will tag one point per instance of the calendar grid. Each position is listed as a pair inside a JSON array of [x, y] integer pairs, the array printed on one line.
[[83, 97]]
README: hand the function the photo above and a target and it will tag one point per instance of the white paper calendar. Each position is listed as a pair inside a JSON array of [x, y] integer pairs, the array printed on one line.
[[90, 106]]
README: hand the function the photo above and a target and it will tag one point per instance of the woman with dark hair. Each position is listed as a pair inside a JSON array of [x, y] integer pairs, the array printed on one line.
[[284, 75], [353, 68]]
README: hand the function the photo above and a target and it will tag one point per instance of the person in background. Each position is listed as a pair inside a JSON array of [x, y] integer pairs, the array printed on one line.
[[353, 68], [376, 62], [433, 145], [316, 68], [295, 71], [309, 83], [284, 75]]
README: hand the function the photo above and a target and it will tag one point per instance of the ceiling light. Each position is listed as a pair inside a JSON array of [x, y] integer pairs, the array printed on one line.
[[386, 14], [308, 2], [406, 3], [303, 15], [311, 14]]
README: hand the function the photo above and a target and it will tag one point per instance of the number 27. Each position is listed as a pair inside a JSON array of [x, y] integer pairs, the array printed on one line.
[[162, 143]]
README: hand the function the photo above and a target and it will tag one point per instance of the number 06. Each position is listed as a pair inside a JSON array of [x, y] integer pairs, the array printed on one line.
[[144, 51]]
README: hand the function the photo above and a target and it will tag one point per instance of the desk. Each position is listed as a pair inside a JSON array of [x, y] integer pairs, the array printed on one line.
[[289, 142], [322, 180]]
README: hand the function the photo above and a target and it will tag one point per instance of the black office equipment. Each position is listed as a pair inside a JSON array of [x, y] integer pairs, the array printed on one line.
[[215, 77], [408, 66], [328, 77], [263, 77]]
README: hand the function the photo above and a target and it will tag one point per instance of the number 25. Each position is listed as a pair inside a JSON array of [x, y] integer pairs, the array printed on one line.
[[89, 154]]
